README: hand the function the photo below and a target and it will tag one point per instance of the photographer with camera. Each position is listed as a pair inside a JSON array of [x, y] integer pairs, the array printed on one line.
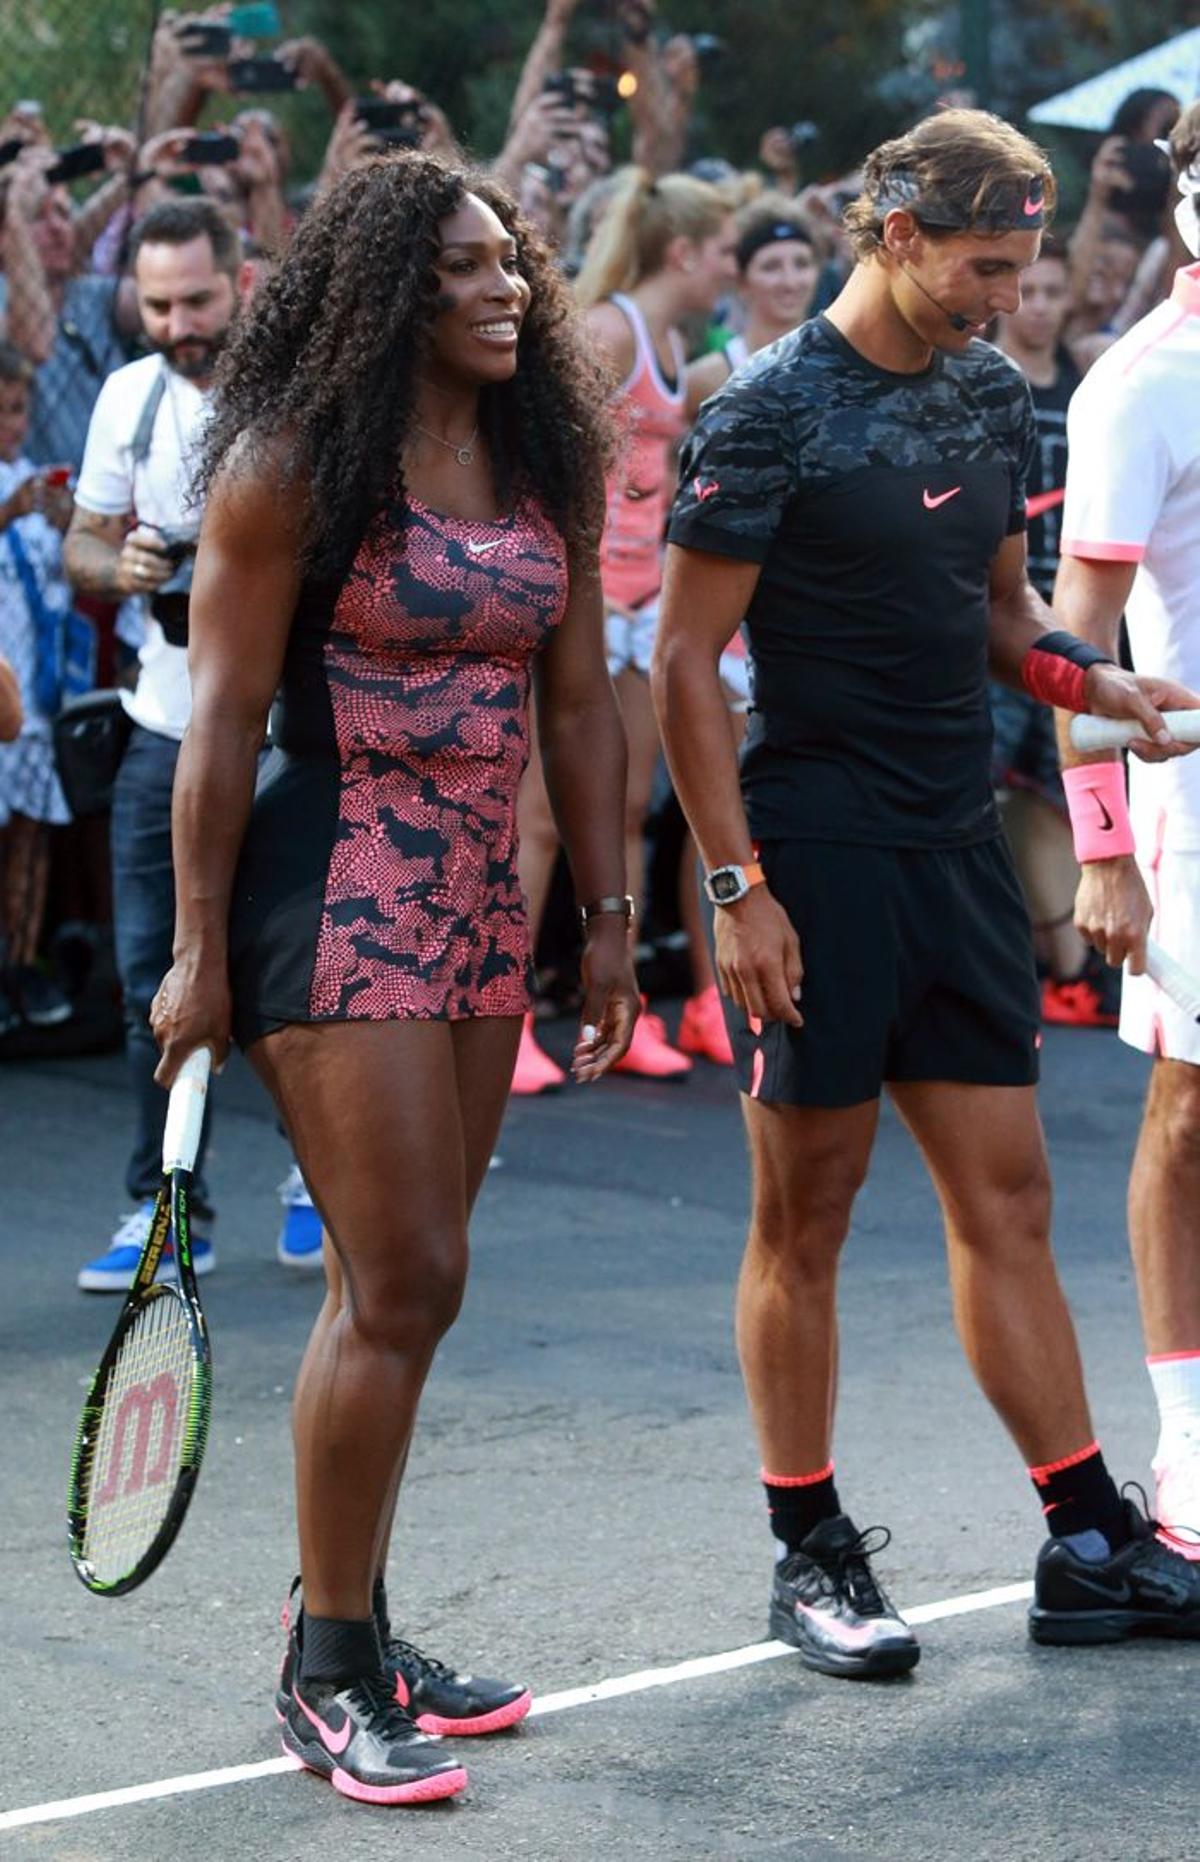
[[131, 537]]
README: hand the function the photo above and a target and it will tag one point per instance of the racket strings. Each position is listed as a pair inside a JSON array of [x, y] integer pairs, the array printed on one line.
[[146, 1433]]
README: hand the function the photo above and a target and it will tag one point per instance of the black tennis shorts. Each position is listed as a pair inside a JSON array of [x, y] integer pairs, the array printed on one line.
[[918, 965]]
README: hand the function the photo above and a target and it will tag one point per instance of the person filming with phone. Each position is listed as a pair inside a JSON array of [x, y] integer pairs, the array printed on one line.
[[131, 538]]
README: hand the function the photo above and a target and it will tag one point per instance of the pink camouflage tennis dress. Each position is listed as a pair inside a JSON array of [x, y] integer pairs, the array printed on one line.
[[378, 877]]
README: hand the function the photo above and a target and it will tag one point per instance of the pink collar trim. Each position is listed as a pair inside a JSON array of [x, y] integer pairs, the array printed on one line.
[[1186, 290]]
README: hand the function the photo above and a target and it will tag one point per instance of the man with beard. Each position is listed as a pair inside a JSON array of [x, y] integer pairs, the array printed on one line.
[[131, 538]]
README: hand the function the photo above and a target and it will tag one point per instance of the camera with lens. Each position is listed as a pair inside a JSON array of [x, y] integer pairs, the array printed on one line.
[[169, 603]]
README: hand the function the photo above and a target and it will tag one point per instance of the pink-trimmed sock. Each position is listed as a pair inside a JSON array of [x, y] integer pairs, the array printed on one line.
[[1079, 1495], [798, 1502]]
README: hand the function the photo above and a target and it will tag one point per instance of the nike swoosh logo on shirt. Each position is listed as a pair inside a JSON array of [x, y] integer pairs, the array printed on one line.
[[337, 1742], [931, 503], [481, 549], [703, 491]]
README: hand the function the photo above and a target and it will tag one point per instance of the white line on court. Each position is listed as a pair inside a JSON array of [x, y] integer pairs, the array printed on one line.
[[612, 1689]]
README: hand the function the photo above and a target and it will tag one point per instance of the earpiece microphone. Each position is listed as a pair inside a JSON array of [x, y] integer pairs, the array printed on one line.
[[955, 318]]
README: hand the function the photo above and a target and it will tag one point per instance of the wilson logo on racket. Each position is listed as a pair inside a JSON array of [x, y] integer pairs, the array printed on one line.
[[140, 1405]]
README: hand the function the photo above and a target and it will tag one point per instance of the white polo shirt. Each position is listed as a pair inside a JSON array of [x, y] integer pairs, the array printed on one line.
[[156, 491], [1133, 495]]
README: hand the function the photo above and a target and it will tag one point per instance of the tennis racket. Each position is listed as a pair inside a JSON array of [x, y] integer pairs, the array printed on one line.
[[1089, 733], [145, 1422], [1174, 981]]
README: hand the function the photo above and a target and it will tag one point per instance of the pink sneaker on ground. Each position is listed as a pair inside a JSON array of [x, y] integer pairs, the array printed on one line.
[[702, 1030], [651, 1054], [535, 1071], [1177, 1500]]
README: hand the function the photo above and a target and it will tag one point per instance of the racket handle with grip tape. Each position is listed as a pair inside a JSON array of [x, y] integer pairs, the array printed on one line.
[[185, 1111], [1174, 981], [1089, 733]]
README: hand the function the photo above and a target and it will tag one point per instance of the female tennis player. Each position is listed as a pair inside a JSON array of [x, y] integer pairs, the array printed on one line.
[[406, 493]]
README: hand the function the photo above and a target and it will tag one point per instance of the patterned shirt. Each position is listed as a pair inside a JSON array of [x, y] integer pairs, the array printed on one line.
[[875, 503]]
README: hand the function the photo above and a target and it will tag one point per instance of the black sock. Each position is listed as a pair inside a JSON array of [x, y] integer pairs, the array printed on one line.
[[797, 1503], [339, 1648], [379, 1609], [1078, 1494]]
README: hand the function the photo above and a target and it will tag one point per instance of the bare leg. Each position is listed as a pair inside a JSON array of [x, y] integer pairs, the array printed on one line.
[[376, 1121], [987, 1157], [1040, 839], [808, 1165], [641, 731], [26, 845], [481, 1118], [1164, 1201]]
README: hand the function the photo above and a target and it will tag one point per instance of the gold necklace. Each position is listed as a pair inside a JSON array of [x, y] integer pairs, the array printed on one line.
[[464, 451]]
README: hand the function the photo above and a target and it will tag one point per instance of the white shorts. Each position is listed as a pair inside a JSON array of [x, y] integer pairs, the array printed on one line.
[[1149, 1019], [629, 639]]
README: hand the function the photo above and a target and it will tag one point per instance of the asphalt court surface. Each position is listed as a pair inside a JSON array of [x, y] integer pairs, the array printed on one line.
[[583, 1505]]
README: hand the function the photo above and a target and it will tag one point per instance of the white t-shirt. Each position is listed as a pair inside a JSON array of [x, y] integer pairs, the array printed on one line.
[[1133, 495], [156, 491]]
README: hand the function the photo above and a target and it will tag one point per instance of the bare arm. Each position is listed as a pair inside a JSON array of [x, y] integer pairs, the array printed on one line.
[[583, 753], [10, 703], [1112, 906], [704, 599], [545, 56], [247, 565], [32, 315], [104, 558], [1019, 619], [702, 378]]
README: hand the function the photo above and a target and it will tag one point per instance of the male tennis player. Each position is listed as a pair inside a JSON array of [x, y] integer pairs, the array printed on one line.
[[856, 491], [1131, 543]]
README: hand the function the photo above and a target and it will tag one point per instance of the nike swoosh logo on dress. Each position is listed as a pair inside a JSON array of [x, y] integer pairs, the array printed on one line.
[[481, 549], [931, 503]]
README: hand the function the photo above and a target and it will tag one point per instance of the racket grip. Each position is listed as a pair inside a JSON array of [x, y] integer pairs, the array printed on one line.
[[1174, 981], [1089, 733], [185, 1111]]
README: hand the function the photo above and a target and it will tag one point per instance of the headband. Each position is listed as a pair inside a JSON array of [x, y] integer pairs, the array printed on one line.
[[1012, 206], [769, 233]]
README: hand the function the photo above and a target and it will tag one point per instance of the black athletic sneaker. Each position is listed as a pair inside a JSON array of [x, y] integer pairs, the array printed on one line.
[[365, 1744], [438, 1699], [441, 1701], [828, 1604], [1144, 1589]]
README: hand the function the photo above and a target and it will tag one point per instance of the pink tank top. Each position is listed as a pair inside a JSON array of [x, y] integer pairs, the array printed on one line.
[[640, 487]]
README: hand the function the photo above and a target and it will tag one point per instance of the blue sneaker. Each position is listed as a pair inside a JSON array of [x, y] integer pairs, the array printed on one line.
[[113, 1271], [299, 1242]]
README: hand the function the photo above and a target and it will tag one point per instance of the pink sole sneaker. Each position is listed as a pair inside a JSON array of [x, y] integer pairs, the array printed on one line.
[[483, 1723], [422, 1791]]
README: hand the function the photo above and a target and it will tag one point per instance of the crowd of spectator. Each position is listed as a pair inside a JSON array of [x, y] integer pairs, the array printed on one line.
[[72, 200]]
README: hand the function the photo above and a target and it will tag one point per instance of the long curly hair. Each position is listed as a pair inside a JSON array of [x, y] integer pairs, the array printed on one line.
[[321, 370]]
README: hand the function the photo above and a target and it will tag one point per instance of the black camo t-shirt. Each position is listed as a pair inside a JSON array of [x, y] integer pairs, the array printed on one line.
[[875, 503]]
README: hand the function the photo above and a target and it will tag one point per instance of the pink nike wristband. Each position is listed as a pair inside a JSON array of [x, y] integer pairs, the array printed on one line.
[[1099, 811]]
